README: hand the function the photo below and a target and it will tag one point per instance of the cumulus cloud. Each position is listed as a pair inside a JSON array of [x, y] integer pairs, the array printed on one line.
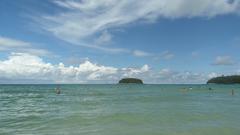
[[187, 77], [134, 72], [26, 66], [166, 73], [212, 75], [85, 19], [10, 44], [224, 61]]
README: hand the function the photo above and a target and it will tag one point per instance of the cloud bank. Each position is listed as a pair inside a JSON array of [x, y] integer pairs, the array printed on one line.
[[27, 66], [23, 66]]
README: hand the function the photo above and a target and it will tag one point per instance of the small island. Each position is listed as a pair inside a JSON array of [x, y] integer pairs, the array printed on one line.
[[130, 80], [234, 79]]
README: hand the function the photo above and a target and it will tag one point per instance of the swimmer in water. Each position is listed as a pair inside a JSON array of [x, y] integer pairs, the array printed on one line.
[[184, 90], [232, 92], [57, 90]]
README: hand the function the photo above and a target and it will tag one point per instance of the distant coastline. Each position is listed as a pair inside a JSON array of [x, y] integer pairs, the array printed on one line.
[[234, 79]]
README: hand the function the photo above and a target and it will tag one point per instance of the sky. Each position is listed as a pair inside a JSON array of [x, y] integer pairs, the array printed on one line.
[[102, 41]]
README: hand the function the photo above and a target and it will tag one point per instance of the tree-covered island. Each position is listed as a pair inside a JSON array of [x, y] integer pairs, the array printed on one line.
[[234, 79], [130, 80]]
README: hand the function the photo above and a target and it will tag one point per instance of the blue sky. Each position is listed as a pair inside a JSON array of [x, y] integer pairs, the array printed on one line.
[[101, 41]]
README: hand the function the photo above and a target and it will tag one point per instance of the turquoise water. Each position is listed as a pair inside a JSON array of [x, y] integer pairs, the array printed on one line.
[[119, 110]]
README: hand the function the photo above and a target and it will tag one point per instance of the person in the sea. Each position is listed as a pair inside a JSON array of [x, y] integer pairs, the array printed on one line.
[[57, 90], [232, 92], [184, 90]]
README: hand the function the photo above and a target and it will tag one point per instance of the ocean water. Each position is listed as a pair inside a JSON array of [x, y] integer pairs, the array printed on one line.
[[120, 110]]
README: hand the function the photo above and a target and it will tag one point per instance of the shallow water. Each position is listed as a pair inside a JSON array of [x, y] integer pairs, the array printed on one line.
[[120, 110]]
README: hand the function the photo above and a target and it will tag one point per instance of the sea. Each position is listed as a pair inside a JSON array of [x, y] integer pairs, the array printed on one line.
[[120, 109]]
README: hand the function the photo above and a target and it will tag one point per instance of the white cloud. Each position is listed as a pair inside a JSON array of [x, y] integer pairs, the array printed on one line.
[[167, 55], [21, 66], [104, 39], [106, 49], [224, 60], [170, 76], [212, 75], [186, 77], [134, 72], [85, 19], [74, 60], [9, 44], [166, 73], [140, 53]]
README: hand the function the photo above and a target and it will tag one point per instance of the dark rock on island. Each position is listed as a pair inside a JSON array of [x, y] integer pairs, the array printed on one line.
[[234, 79], [131, 80]]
